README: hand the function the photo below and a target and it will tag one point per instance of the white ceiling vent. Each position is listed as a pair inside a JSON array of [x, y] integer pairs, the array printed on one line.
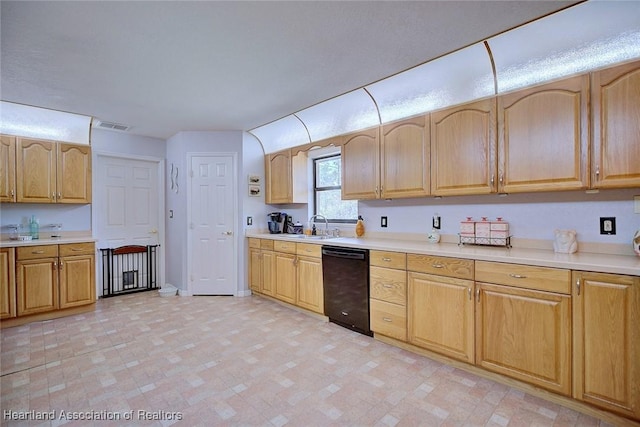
[[100, 124]]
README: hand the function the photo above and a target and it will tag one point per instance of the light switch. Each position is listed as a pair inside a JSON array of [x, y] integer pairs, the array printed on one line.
[[636, 204]]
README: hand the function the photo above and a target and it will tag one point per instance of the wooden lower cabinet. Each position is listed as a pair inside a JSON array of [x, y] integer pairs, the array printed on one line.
[[310, 290], [606, 341], [77, 278], [441, 315], [525, 334], [286, 277], [255, 269], [37, 283], [7, 283]]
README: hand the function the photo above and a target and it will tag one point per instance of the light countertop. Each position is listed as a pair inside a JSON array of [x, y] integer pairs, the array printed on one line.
[[583, 261], [45, 240]]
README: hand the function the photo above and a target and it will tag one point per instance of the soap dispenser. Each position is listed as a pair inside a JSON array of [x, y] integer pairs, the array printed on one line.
[[360, 227], [34, 227]]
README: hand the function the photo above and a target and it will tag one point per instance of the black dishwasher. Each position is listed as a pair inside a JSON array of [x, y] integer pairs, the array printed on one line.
[[345, 273]]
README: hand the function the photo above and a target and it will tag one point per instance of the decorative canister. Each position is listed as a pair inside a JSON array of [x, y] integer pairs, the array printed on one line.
[[360, 227], [636, 243]]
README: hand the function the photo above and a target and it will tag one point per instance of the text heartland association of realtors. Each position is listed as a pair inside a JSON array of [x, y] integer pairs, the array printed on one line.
[[139, 415]]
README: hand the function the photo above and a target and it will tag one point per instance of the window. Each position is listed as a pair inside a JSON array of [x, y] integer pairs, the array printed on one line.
[[327, 181]]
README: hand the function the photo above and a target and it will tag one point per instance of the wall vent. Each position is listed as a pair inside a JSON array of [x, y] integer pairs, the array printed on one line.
[[111, 126]]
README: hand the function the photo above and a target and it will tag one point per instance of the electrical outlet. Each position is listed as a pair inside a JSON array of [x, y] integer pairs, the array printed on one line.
[[636, 204], [608, 225], [435, 223], [383, 221], [249, 220]]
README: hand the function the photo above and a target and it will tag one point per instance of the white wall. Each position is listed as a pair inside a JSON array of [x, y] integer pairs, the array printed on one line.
[[178, 147], [531, 216]]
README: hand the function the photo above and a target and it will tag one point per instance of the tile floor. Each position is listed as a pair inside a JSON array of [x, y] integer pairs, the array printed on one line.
[[240, 361]]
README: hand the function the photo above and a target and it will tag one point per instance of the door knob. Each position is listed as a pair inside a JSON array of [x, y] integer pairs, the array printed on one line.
[[153, 231], [227, 233]]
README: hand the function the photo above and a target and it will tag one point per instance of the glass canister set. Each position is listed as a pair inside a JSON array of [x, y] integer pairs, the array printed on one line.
[[485, 232]]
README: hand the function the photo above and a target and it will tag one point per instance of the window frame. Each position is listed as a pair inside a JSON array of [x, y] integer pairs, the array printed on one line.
[[330, 187]]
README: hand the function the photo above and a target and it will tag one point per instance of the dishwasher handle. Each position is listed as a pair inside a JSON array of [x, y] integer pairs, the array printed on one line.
[[344, 254]]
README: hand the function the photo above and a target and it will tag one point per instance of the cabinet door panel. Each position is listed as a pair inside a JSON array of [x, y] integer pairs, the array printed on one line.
[[268, 273], [255, 269], [543, 137], [37, 283], [361, 165], [77, 281], [441, 315], [35, 171], [607, 341], [616, 126], [463, 149], [525, 335], [310, 292], [285, 286], [7, 283], [73, 173], [7, 168], [278, 172], [405, 158]]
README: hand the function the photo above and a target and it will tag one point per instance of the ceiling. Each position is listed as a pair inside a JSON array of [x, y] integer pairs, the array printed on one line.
[[164, 67]]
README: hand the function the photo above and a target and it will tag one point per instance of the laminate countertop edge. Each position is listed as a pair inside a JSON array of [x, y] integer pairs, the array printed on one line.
[[581, 261]]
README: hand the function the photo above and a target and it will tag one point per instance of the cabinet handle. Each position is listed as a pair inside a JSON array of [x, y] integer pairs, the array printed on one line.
[[501, 179], [598, 172], [387, 286], [295, 261], [376, 190], [59, 195], [493, 178], [55, 265], [478, 295], [37, 252], [12, 193], [53, 196], [578, 285], [469, 291], [437, 265], [61, 265], [76, 250], [387, 319], [386, 259], [517, 276]]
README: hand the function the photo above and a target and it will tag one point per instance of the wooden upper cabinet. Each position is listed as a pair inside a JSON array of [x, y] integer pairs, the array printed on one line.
[[7, 168], [404, 159], [50, 172], [286, 177], [35, 171], [73, 182], [278, 172], [615, 100], [543, 137], [361, 165], [463, 149]]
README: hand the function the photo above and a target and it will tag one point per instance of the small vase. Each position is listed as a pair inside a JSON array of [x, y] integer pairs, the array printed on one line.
[[636, 243]]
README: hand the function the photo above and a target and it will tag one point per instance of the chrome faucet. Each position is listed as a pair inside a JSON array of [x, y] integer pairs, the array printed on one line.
[[326, 223]]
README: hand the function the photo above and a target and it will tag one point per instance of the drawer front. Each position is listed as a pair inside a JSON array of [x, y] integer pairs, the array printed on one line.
[[442, 266], [388, 259], [35, 252], [77, 249], [266, 244], [282, 246], [388, 285], [389, 319], [254, 243], [524, 276], [309, 249]]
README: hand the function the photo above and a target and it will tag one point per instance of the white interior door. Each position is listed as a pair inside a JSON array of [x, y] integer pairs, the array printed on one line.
[[212, 210], [127, 202]]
